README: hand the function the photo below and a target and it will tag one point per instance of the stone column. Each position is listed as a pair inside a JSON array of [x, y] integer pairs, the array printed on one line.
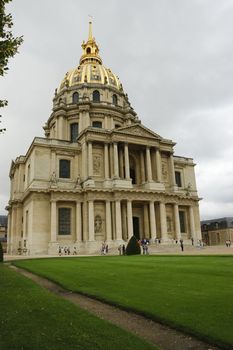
[[116, 161], [121, 161], [126, 153], [192, 223], [146, 221], [163, 221], [177, 222], [173, 179], [143, 176], [108, 221], [78, 222], [148, 165], [124, 221], [85, 220], [106, 162], [129, 219], [91, 226], [152, 221], [118, 220], [53, 229], [9, 223], [59, 126], [84, 161], [158, 165], [90, 161]]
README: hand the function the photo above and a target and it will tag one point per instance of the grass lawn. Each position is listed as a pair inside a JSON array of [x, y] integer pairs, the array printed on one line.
[[32, 318], [191, 293]]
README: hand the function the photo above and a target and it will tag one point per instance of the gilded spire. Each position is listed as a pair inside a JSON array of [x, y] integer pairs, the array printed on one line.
[[90, 37], [90, 49]]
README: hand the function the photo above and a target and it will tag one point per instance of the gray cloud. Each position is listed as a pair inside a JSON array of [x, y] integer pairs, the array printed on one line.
[[174, 58]]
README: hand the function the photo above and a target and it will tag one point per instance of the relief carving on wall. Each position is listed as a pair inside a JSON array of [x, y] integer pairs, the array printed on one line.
[[164, 170], [97, 164]]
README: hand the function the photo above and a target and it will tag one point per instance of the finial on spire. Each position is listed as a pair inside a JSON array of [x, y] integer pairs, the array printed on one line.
[[90, 37]]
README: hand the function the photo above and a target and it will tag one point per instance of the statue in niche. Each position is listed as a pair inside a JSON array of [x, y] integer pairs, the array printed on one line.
[[169, 224], [78, 181], [53, 179], [188, 189], [98, 224]]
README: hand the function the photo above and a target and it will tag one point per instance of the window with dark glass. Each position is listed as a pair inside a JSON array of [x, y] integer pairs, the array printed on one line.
[[182, 222], [73, 132], [96, 96], [114, 99], [64, 168], [75, 97], [97, 124], [178, 178], [64, 221]]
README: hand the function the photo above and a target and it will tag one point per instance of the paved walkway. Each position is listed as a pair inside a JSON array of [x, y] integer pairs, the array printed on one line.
[[153, 250], [159, 335]]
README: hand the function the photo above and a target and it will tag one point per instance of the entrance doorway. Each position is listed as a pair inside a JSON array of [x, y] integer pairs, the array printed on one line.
[[136, 230]]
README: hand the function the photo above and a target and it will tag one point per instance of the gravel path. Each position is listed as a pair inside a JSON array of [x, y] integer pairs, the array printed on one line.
[[161, 336]]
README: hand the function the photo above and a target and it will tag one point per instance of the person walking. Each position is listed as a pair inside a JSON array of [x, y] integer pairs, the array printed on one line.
[[182, 245]]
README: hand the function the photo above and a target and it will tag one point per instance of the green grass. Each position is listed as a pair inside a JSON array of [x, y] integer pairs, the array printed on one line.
[[194, 294], [32, 318]]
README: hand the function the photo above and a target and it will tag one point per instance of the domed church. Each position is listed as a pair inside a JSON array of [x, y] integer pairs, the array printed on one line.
[[98, 175]]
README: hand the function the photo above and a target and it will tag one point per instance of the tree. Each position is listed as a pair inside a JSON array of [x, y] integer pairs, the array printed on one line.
[[133, 247], [8, 43]]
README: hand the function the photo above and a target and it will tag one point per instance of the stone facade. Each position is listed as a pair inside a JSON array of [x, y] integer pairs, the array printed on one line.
[[217, 231], [99, 174]]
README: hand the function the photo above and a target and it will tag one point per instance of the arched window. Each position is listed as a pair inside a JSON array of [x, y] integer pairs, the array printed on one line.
[[88, 50], [97, 124], [73, 132], [114, 99], [96, 96], [75, 97]]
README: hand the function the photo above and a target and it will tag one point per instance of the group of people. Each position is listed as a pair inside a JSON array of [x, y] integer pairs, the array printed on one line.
[[104, 249], [66, 251], [228, 243]]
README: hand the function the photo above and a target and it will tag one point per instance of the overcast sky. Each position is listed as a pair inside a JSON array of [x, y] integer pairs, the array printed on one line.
[[173, 57]]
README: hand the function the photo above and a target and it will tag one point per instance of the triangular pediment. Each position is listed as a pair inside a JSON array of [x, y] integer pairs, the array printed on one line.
[[138, 130]]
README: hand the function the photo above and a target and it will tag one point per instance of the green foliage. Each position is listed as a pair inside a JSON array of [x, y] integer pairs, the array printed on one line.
[[193, 294], [133, 247], [1, 252], [8, 43], [28, 309]]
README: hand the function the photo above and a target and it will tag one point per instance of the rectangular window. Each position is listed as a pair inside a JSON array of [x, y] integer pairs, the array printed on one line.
[[178, 178], [97, 124], [182, 221], [73, 132], [64, 221], [64, 168]]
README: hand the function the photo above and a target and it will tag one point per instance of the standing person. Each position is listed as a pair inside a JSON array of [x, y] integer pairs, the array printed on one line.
[[106, 248], [119, 249], [182, 245], [123, 249], [59, 251], [75, 251]]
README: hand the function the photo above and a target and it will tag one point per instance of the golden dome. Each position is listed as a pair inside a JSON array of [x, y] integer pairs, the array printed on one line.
[[90, 69]]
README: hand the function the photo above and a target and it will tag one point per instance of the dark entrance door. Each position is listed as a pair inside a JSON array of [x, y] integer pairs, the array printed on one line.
[[136, 231]]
